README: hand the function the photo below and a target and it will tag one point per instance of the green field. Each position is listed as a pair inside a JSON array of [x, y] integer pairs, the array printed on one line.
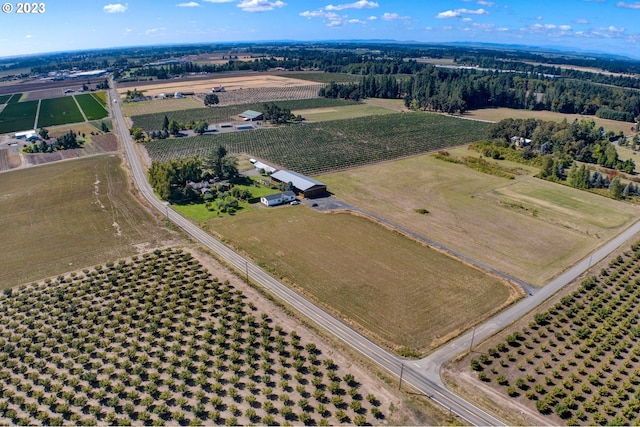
[[4, 98], [213, 115], [58, 111], [15, 98], [91, 107], [101, 97], [401, 292], [64, 216], [321, 147], [340, 113], [18, 117], [526, 227]]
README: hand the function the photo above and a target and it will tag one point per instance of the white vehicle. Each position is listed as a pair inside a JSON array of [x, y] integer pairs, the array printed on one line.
[[295, 202]]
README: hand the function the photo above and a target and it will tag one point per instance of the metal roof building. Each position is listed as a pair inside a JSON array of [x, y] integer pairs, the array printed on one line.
[[309, 187], [251, 115]]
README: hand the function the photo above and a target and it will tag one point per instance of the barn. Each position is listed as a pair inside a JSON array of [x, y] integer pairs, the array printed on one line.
[[308, 187]]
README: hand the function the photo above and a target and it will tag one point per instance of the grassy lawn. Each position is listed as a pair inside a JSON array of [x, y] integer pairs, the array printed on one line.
[[337, 113], [58, 111], [67, 215], [625, 153], [497, 114], [403, 293], [526, 227], [91, 106], [18, 116], [199, 212]]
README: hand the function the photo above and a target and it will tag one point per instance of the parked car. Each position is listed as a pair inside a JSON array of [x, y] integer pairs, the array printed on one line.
[[295, 202]]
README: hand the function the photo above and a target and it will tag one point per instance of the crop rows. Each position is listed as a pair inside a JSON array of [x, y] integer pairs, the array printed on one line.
[[157, 340], [18, 116], [58, 111], [91, 107], [15, 98], [580, 360], [267, 94], [326, 146], [4, 98], [213, 115]]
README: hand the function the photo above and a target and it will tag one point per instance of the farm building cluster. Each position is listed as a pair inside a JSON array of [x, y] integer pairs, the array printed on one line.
[[297, 182]]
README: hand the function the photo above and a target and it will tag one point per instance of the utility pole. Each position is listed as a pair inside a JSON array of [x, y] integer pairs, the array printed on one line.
[[401, 371]]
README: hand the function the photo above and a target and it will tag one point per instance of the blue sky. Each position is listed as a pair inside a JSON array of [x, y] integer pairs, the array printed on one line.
[[594, 25]]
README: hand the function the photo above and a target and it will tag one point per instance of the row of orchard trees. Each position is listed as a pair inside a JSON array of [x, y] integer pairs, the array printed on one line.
[[170, 179]]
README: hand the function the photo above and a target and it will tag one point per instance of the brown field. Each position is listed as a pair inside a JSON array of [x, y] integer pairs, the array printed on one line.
[[230, 83], [69, 215], [9, 159], [159, 106], [394, 289], [497, 114], [528, 228]]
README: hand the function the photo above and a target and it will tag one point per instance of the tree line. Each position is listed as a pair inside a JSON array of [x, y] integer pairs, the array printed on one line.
[[458, 90], [171, 179], [565, 152]]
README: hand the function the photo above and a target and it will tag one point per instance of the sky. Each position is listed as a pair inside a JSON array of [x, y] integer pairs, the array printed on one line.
[[609, 26]]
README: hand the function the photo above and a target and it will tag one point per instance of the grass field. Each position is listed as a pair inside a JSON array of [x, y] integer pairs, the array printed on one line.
[[91, 107], [101, 97], [497, 114], [58, 111], [339, 113], [159, 106], [214, 115], [401, 292], [320, 147], [625, 153], [526, 227], [68, 215], [4, 98], [18, 117]]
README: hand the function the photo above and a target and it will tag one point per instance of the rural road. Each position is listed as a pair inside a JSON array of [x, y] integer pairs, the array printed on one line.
[[423, 374]]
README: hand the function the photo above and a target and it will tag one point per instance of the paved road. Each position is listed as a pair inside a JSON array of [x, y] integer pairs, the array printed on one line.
[[411, 374], [423, 374]]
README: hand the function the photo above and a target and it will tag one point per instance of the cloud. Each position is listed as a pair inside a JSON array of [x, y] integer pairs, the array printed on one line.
[[334, 20], [128, 30], [580, 21], [372, 18], [393, 17], [190, 4], [28, 36], [615, 29], [459, 12], [360, 4], [356, 21], [116, 8], [486, 27], [635, 5], [154, 30], [448, 14], [312, 14], [219, 1], [260, 5], [486, 3]]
